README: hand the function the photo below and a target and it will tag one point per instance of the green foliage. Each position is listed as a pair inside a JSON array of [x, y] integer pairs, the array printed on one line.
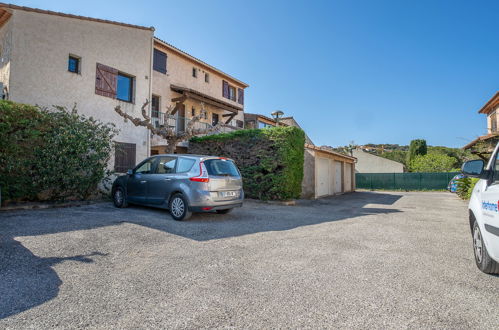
[[416, 148], [396, 155], [433, 163], [465, 187], [51, 155], [270, 159]]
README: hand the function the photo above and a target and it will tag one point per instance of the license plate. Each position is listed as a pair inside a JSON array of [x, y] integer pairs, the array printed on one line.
[[228, 193]]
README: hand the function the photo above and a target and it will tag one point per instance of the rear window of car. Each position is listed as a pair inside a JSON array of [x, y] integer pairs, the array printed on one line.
[[184, 165], [221, 167]]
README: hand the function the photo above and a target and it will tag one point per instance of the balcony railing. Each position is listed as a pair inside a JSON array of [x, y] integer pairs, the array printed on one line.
[[178, 124]]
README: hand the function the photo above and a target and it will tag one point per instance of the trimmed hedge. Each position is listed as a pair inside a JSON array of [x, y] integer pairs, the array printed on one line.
[[51, 155], [270, 159]]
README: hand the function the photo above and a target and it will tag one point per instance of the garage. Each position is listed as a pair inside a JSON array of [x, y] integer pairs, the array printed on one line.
[[327, 173]]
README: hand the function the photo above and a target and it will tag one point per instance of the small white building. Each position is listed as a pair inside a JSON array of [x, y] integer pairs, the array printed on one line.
[[369, 163]]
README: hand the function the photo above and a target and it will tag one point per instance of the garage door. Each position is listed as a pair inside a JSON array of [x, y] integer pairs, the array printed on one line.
[[337, 177], [323, 177], [348, 177]]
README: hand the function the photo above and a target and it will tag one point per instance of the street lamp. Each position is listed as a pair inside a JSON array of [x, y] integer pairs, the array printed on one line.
[[276, 115]]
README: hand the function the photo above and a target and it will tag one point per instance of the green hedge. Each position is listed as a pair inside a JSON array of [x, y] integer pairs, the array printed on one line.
[[51, 155], [270, 159]]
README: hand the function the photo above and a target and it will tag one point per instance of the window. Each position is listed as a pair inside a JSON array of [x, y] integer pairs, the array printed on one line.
[[124, 90], [166, 165], [232, 93], [159, 61], [193, 111], [263, 125], [155, 106], [221, 167], [194, 72], [206, 77], [239, 123], [493, 122], [124, 156], [214, 119], [146, 167], [74, 64], [240, 96], [184, 165]]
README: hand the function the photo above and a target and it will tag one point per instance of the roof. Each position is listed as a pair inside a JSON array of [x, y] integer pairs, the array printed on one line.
[[490, 105], [195, 59], [312, 147], [481, 138], [257, 115], [49, 12]]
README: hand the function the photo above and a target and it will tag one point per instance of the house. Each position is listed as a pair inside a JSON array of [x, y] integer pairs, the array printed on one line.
[[186, 83], [484, 145], [50, 58], [327, 173], [369, 163]]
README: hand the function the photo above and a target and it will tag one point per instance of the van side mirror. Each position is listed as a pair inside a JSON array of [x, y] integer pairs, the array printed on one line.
[[475, 169], [129, 172]]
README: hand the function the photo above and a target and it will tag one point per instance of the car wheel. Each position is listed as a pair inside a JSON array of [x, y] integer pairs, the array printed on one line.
[[179, 209], [482, 258], [226, 211], [119, 198]]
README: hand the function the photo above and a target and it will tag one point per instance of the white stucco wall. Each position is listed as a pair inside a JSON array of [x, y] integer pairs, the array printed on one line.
[[5, 53], [369, 163], [39, 67]]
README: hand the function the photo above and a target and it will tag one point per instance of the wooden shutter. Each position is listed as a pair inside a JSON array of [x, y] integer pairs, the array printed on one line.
[[106, 81], [240, 96], [159, 61], [124, 156], [225, 89]]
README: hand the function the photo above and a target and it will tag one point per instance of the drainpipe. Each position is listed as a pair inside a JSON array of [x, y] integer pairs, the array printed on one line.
[[148, 141]]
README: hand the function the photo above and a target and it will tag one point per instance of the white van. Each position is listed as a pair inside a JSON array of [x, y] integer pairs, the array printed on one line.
[[484, 212]]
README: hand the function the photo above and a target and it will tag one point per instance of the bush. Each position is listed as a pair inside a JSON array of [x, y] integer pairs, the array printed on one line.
[[270, 159], [51, 155], [465, 187], [433, 163]]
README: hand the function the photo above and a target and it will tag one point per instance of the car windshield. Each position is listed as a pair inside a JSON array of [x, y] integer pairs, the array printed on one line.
[[221, 167]]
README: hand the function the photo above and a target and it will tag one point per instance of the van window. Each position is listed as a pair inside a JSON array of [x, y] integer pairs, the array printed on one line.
[[221, 167], [166, 165], [184, 165]]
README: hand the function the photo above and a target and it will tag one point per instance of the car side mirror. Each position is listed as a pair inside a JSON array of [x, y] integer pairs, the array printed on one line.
[[129, 172], [475, 169]]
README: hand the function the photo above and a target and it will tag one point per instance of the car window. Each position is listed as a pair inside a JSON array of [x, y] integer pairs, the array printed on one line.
[[221, 167], [184, 164], [146, 167], [496, 169], [166, 165]]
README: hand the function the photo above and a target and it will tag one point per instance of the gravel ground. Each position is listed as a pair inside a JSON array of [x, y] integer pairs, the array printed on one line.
[[370, 260]]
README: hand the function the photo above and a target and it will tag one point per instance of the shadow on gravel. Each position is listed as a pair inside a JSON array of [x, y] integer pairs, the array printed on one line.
[[27, 280]]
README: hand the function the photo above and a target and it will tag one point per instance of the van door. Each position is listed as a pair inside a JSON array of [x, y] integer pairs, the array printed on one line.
[[160, 185], [136, 188], [490, 209]]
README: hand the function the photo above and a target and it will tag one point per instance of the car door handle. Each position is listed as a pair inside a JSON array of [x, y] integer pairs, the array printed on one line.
[[144, 181], [168, 179]]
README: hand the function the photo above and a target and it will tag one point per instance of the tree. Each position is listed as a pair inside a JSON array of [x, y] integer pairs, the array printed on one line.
[[416, 148], [433, 163], [170, 134]]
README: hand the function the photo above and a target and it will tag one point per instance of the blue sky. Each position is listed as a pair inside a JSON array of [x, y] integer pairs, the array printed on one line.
[[364, 71]]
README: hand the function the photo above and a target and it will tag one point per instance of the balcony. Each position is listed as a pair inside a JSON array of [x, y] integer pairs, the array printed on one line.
[[178, 125]]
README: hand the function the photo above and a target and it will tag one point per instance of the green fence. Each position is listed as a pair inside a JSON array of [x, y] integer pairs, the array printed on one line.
[[403, 181]]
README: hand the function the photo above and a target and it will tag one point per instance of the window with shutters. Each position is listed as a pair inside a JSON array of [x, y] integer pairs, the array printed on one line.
[[124, 156], [155, 106], [159, 61], [232, 93], [106, 81], [124, 90], [225, 89], [240, 96]]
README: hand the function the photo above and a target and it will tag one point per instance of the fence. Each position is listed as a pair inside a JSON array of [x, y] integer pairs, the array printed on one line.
[[404, 181]]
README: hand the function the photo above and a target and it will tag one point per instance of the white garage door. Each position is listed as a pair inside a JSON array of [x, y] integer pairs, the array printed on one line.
[[323, 177], [337, 177], [348, 177]]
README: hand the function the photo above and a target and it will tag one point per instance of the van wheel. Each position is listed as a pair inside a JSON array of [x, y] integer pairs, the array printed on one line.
[[119, 198], [482, 258], [226, 211], [179, 209]]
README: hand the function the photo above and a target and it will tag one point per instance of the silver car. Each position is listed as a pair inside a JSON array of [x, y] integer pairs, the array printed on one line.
[[182, 184]]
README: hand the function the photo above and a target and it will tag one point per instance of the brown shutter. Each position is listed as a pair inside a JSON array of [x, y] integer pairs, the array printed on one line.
[[225, 89], [124, 156], [106, 81], [240, 96]]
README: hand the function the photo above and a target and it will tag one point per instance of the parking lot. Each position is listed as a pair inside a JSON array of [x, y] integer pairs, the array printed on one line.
[[382, 260]]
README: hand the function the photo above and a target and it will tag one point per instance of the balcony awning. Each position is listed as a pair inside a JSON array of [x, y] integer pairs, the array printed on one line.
[[193, 94]]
